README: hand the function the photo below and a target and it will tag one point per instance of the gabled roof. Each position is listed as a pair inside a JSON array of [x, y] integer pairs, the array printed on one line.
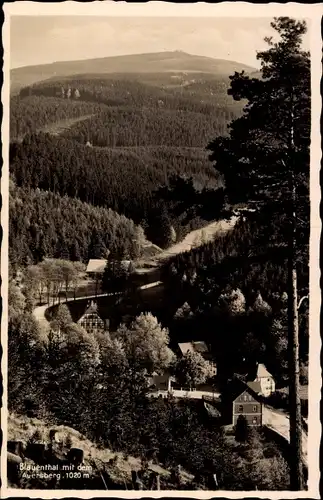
[[255, 387], [92, 309], [198, 346], [262, 371], [237, 387], [96, 265]]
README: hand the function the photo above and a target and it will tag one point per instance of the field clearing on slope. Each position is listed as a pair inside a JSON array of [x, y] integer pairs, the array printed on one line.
[[198, 237], [63, 125]]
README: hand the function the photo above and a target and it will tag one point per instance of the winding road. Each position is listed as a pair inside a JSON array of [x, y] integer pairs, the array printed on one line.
[[193, 239], [279, 422]]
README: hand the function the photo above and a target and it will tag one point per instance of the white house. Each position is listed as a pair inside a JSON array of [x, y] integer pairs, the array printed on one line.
[[266, 380]]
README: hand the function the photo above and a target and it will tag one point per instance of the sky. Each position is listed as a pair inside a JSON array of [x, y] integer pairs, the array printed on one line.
[[46, 39]]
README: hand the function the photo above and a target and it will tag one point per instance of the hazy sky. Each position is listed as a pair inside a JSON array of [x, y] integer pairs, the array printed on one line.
[[46, 39]]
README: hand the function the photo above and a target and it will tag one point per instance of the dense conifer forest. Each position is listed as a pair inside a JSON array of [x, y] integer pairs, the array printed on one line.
[[44, 224], [113, 141]]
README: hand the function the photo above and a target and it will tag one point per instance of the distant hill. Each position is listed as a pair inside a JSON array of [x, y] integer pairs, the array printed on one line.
[[176, 61]]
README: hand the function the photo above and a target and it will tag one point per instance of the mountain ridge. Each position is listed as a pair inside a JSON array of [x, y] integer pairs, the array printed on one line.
[[168, 61]]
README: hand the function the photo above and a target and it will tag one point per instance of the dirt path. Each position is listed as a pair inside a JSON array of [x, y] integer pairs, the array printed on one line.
[[199, 237]]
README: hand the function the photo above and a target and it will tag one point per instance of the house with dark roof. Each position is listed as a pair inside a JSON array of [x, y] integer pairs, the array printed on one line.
[[241, 398], [198, 346]]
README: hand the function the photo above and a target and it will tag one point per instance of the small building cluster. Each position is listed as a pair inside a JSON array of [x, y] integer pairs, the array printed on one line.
[[242, 396]]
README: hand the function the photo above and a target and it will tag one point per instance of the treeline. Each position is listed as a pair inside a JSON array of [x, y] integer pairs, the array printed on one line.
[[34, 113], [44, 224], [126, 127], [236, 294], [195, 96], [117, 179]]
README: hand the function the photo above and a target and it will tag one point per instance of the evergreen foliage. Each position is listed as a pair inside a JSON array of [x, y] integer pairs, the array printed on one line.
[[44, 224]]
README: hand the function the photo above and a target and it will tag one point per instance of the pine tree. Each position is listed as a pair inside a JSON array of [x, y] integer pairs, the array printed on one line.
[[266, 159], [241, 430]]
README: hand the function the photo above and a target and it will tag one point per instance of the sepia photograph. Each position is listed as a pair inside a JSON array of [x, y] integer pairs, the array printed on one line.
[[160, 241]]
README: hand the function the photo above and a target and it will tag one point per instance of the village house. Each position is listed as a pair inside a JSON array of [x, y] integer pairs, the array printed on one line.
[[265, 379], [201, 348], [91, 321], [95, 268], [244, 399]]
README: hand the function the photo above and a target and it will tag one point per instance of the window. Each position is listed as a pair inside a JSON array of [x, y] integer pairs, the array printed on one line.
[[240, 408], [254, 409], [254, 420], [268, 379], [245, 397]]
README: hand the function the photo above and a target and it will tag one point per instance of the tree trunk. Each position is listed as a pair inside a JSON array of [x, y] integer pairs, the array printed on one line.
[[294, 396], [296, 465]]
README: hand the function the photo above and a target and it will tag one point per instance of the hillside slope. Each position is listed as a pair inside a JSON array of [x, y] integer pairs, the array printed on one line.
[[46, 224], [137, 63], [103, 468]]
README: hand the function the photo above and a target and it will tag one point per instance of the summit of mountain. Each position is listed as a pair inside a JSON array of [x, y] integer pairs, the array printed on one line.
[[155, 62]]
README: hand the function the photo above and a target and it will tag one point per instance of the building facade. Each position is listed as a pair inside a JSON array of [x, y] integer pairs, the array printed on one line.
[[91, 321], [266, 380], [249, 407]]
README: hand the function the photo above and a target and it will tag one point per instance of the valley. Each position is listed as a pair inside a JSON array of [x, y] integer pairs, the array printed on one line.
[[150, 270]]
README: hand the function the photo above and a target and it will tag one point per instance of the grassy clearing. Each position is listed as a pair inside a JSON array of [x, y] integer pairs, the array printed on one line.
[[63, 125]]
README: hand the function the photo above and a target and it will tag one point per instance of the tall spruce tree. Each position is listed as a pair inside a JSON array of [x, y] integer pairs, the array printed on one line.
[[265, 159]]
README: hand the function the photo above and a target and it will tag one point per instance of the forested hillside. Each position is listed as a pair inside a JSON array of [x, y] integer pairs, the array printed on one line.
[[114, 140], [148, 127], [44, 224], [91, 93], [34, 113], [237, 285]]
